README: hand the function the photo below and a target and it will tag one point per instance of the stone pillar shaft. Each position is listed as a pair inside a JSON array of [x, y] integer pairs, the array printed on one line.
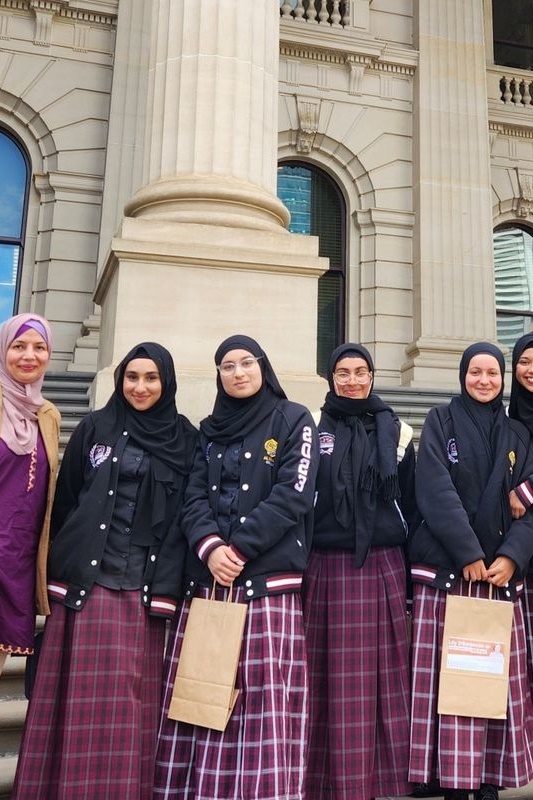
[[453, 262], [211, 134], [213, 81]]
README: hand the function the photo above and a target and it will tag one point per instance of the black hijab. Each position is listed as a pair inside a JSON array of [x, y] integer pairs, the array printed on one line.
[[167, 436], [521, 402], [482, 436], [360, 473], [160, 430], [233, 418]]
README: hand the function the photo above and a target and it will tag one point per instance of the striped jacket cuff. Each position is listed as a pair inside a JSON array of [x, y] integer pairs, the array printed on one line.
[[525, 493], [239, 556], [162, 606], [207, 545]]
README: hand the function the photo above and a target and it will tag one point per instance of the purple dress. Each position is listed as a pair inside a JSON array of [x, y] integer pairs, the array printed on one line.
[[23, 482]]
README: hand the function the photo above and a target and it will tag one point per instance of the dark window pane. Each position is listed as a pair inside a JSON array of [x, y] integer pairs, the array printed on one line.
[[9, 262], [294, 190], [329, 299], [512, 23], [14, 173], [317, 208]]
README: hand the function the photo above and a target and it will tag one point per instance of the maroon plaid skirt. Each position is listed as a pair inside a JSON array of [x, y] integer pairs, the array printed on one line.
[[91, 728], [260, 755], [527, 599], [462, 752], [359, 675]]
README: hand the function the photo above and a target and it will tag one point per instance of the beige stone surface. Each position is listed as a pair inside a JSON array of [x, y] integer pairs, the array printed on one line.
[[402, 107]]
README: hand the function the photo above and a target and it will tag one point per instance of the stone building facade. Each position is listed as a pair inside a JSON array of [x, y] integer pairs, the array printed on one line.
[[153, 133]]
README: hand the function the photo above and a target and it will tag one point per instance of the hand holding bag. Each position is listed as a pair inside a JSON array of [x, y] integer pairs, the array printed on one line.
[[204, 690], [474, 673]]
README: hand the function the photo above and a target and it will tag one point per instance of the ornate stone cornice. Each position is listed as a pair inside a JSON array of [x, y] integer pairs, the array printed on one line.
[[508, 129], [61, 8], [350, 59]]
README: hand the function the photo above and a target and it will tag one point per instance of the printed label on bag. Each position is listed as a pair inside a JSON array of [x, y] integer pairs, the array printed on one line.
[[475, 656]]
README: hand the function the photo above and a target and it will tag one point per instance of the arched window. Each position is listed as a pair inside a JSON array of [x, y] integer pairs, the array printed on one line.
[[317, 208], [14, 169], [512, 27], [513, 274]]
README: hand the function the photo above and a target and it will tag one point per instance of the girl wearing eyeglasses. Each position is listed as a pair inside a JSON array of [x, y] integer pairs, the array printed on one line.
[[247, 521], [355, 591]]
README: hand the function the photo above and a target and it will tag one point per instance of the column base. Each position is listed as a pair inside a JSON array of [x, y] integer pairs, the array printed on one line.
[[189, 286], [433, 363], [209, 198]]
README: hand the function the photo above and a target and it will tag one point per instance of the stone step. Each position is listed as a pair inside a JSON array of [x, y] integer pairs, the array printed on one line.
[[12, 680], [8, 765], [12, 716]]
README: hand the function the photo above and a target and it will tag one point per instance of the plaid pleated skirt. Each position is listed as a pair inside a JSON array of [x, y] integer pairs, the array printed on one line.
[[463, 752], [359, 675], [91, 727], [260, 755], [527, 600]]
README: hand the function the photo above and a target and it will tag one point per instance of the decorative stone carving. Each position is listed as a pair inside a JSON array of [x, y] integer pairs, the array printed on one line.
[[43, 27], [4, 22], [525, 201], [44, 11], [308, 116], [357, 67]]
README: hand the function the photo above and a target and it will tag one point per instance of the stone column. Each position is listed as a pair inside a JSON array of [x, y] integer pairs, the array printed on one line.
[[202, 251], [453, 260], [211, 136]]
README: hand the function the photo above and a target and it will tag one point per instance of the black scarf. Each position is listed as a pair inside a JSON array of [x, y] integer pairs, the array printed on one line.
[[521, 402], [482, 436], [167, 436], [232, 418], [359, 474]]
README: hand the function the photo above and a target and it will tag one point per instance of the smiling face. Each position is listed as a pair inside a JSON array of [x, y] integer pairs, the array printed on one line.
[[244, 381], [524, 369], [483, 380], [142, 385], [352, 378], [27, 357]]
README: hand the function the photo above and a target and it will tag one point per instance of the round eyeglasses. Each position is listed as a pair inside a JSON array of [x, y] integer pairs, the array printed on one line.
[[230, 367], [360, 376]]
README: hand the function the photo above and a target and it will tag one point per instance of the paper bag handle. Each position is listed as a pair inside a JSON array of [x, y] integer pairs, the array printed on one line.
[[230, 593], [470, 590]]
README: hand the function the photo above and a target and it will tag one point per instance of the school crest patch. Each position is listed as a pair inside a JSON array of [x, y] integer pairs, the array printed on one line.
[[451, 448], [98, 454], [271, 448], [327, 443]]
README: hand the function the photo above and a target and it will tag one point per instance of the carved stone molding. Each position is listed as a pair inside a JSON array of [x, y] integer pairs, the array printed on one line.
[[525, 200], [357, 73], [4, 26], [506, 129], [61, 8], [308, 117], [43, 27]]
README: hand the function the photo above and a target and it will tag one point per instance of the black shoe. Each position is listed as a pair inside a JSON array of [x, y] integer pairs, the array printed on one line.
[[431, 789], [486, 792], [456, 794]]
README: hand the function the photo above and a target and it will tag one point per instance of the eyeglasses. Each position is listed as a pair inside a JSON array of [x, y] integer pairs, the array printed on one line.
[[359, 376], [230, 367]]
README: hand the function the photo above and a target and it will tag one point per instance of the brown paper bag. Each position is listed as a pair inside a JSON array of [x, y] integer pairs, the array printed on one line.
[[204, 691], [474, 674]]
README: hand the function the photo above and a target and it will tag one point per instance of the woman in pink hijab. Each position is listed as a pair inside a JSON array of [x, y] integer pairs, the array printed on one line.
[[29, 434]]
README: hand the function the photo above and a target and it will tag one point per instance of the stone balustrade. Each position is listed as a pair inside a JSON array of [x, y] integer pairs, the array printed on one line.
[[517, 89], [334, 13]]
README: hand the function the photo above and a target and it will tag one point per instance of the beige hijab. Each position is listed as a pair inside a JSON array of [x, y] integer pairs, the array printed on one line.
[[20, 402]]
